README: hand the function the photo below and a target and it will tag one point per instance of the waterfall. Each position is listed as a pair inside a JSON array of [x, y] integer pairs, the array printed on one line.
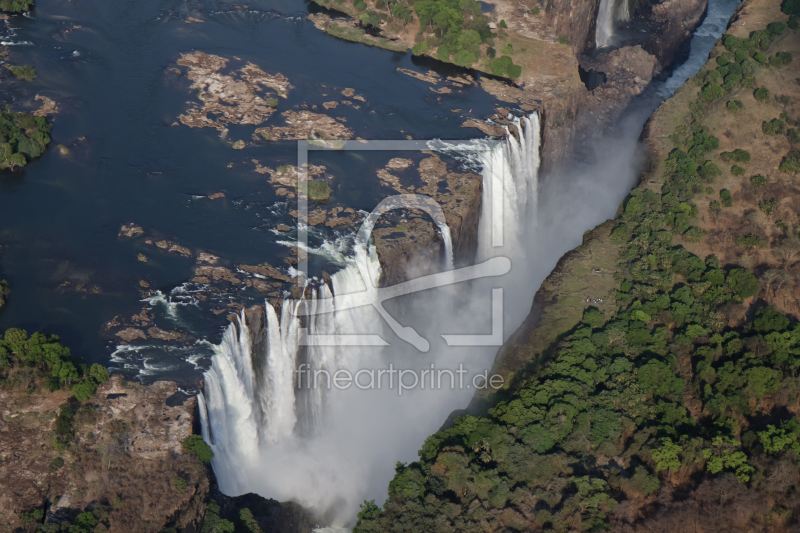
[[448, 246], [277, 436], [604, 28], [510, 187], [624, 12], [609, 12]]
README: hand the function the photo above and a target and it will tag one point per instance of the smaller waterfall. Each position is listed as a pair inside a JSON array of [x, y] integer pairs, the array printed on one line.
[[448, 246], [609, 12], [510, 188]]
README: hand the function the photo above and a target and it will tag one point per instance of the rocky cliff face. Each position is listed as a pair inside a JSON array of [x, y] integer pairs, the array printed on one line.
[[673, 23], [124, 457]]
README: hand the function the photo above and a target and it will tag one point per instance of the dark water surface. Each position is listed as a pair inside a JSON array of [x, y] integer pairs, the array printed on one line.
[[59, 217]]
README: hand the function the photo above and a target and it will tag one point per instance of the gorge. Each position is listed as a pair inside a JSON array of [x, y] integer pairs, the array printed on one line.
[[598, 205]]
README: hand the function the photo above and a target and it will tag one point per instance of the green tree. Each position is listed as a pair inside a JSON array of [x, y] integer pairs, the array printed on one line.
[[666, 456], [195, 445]]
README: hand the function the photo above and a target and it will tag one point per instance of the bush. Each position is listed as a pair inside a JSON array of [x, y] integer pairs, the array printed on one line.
[[768, 206], [749, 241], [734, 106], [780, 59], [738, 155], [179, 483], [723, 60], [465, 58], [743, 283], [195, 445], [736, 170], [316, 190], [491, 52], [535, 10], [759, 181], [503, 24], [84, 389], [725, 198], [776, 28], [761, 94], [507, 49], [419, 48], [56, 464], [563, 40], [790, 163], [504, 66], [711, 92], [773, 127]]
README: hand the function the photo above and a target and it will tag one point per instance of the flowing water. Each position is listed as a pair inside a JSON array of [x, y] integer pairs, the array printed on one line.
[[325, 447], [107, 67]]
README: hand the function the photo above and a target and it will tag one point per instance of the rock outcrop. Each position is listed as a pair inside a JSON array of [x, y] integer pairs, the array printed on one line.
[[124, 457]]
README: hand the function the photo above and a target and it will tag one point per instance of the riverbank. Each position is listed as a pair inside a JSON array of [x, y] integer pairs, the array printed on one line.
[[634, 394]]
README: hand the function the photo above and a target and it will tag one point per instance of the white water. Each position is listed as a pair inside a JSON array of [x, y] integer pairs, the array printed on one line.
[[511, 189], [609, 13], [717, 16], [331, 449]]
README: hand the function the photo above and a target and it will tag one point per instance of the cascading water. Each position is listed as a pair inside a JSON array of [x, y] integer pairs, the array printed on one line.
[[511, 187], [609, 12], [290, 442]]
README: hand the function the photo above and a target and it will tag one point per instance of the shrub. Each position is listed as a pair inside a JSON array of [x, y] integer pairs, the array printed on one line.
[[504, 66], [419, 48], [773, 127], [749, 241], [317, 190], [768, 206], [535, 10], [465, 58], [759, 181], [776, 28], [84, 389], [790, 163], [195, 445], [734, 106], [249, 521], [507, 49], [503, 24], [564, 40], [711, 92], [780, 59], [179, 483], [743, 283], [695, 234], [723, 60], [736, 170], [725, 198], [56, 464], [761, 94], [738, 155], [491, 52]]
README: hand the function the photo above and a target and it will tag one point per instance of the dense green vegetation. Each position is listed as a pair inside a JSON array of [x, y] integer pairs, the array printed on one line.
[[195, 445], [22, 138], [27, 361], [451, 30], [667, 385], [17, 6], [23, 72]]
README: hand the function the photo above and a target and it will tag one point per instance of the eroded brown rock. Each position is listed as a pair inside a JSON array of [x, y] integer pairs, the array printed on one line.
[[242, 96], [305, 124]]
